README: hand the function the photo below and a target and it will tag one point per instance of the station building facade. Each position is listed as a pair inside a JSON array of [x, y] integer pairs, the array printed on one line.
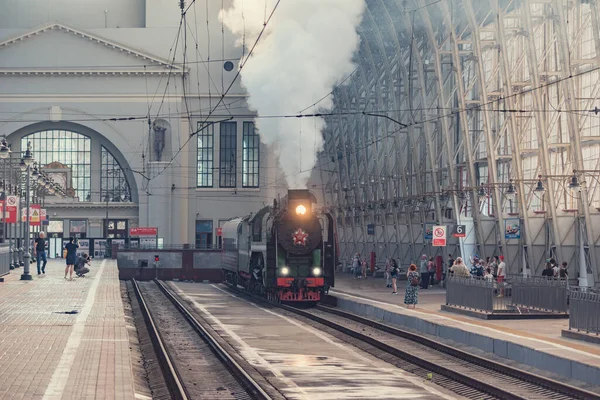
[[135, 135]]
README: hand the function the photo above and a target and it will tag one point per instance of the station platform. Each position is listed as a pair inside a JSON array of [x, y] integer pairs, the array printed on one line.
[[536, 342], [63, 339]]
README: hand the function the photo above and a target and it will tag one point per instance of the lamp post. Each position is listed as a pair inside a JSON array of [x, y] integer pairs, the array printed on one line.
[[10, 230], [27, 159]]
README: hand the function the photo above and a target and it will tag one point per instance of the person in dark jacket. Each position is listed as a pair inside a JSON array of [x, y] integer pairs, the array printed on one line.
[[71, 257], [548, 272]]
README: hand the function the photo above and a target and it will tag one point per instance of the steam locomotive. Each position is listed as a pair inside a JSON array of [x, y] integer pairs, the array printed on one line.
[[285, 252]]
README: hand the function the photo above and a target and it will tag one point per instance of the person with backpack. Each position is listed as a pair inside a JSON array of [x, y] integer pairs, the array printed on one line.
[[479, 271], [562, 272], [394, 271], [411, 295]]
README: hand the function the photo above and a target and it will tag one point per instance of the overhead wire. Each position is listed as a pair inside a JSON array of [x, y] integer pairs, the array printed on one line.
[[227, 91]]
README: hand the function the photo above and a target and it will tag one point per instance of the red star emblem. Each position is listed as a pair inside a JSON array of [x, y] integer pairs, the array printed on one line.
[[299, 237]]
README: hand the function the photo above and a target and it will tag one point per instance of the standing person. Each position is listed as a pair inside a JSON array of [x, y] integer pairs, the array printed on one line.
[[40, 253], [431, 269], [479, 269], [548, 272], [450, 260], [424, 272], [356, 265], [71, 257], [388, 270], [493, 265], [562, 272], [460, 269], [363, 266], [411, 295], [394, 271], [501, 275], [555, 267], [488, 275]]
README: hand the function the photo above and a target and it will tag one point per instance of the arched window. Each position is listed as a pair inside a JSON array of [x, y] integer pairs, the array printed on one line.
[[113, 183], [69, 148]]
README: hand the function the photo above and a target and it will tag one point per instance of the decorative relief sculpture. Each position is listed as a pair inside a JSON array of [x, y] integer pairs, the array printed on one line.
[[160, 127]]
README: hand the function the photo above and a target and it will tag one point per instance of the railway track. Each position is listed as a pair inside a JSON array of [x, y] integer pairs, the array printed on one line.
[[463, 373], [193, 363]]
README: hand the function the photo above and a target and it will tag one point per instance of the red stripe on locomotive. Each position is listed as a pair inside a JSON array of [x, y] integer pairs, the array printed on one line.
[[310, 282]]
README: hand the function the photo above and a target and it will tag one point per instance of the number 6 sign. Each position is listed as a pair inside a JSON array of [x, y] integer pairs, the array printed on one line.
[[459, 231]]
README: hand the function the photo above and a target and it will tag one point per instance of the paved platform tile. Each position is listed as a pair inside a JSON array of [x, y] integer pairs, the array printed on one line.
[[64, 339]]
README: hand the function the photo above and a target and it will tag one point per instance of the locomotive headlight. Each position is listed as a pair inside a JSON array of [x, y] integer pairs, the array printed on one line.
[[316, 271], [300, 210], [284, 271]]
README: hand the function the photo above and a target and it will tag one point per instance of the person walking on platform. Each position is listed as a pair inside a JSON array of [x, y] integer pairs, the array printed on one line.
[[411, 295], [71, 257], [80, 268], [388, 268], [424, 272], [40, 253], [394, 271]]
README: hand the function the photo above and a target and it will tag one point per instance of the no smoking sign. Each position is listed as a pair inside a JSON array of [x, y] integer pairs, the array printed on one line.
[[439, 236]]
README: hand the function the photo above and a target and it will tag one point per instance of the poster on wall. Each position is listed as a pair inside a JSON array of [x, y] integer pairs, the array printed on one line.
[[99, 248], [428, 232], [78, 226], [512, 228], [148, 243]]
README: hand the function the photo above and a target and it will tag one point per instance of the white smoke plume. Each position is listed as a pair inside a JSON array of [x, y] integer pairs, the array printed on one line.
[[307, 48]]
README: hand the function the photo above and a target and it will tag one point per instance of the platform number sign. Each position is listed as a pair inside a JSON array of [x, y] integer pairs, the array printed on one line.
[[439, 235], [460, 231]]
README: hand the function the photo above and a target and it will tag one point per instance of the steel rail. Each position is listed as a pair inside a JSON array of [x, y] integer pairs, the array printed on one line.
[[464, 379], [170, 374], [504, 369], [243, 378]]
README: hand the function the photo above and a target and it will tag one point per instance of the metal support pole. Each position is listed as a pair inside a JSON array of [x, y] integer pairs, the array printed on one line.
[[4, 197], [26, 276], [21, 230]]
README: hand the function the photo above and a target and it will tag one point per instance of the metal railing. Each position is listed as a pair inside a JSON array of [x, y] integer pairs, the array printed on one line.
[[477, 294], [136, 246], [5, 260], [539, 293], [584, 312]]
